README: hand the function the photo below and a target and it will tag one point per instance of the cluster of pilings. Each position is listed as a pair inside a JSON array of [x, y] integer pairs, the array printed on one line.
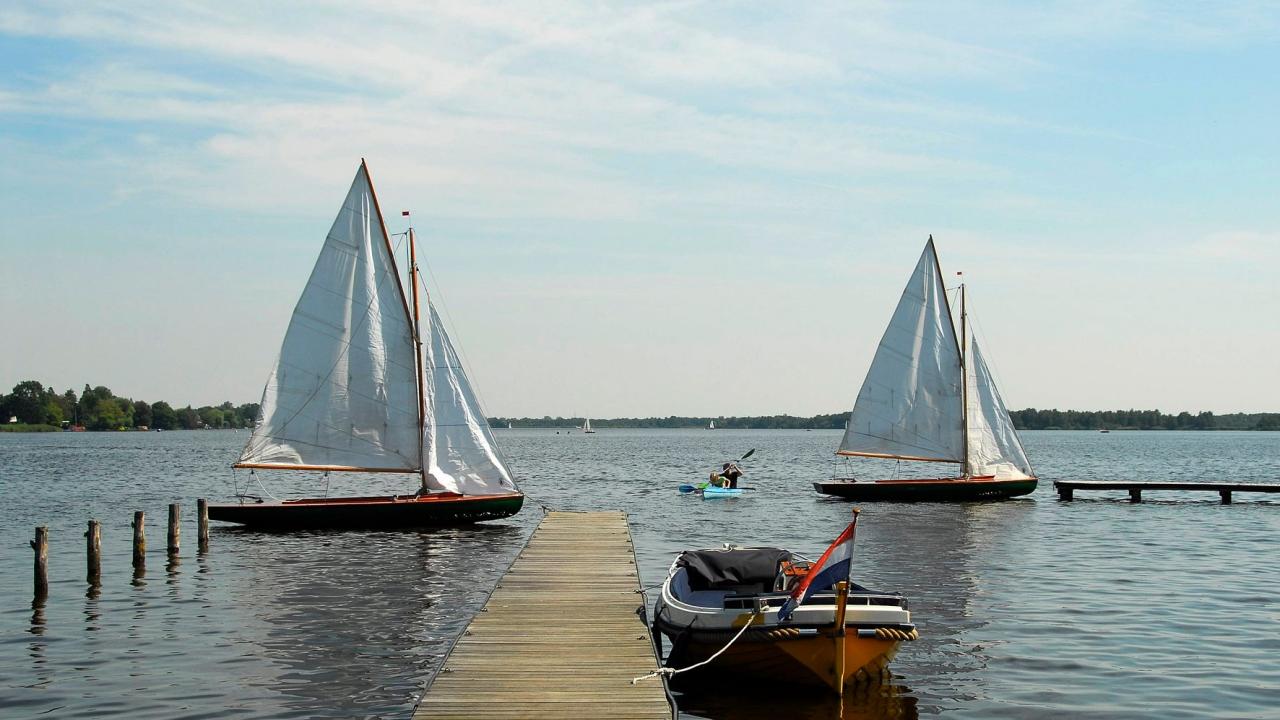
[[93, 546]]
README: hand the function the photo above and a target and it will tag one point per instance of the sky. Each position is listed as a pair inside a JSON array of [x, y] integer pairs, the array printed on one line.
[[651, 209]]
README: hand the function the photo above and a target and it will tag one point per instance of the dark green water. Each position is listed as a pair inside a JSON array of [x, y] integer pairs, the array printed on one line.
[[1028, 608]]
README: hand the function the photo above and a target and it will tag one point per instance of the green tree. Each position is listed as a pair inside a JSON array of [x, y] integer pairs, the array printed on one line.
[[163, 416], [248, 414], [142, 414], [189, 419], [108, 415], [27, 402], [211, 417], [52, 411]]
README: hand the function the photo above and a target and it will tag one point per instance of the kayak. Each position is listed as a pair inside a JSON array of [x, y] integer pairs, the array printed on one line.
[[718, 492]]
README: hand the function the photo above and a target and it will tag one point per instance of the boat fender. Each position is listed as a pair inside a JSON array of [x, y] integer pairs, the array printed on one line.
[[886, 633]]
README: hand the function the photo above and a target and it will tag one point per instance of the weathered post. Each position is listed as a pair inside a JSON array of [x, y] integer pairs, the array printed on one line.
[[175, 529], [1226, 496], [93, 552], [202, 519], [1135, 494], [139, 540], [41, 546]]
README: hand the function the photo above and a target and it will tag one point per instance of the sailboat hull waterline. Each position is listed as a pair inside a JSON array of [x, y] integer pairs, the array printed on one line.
[[370, 513], [926, 490]]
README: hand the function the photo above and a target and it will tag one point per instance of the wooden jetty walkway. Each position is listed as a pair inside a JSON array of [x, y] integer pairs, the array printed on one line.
[[1066, 488], [559, 637]]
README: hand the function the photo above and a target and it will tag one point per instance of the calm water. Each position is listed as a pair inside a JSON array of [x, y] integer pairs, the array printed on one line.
[[1028, 608]]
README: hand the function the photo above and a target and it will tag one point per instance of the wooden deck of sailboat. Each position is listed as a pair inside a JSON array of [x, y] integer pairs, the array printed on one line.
[[559, 636]]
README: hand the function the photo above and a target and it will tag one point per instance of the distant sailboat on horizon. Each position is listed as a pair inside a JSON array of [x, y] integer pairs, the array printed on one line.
[[586, 426], [711, 425], [929, 397]]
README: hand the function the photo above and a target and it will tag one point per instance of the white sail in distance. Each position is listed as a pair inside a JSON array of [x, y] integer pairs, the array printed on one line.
[[460, 453], [343, 393], [911, 405], [994, 446]]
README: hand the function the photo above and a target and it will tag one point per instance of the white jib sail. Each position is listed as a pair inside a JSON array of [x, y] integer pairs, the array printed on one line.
[[910, 404], [994, 447], [461, 454], [343, 393]]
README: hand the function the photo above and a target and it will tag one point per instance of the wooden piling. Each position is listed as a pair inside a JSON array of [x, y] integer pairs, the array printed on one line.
[[1135, 494], [93, 553], [202, 519], [139, 540], [41, 546], [175, 528]]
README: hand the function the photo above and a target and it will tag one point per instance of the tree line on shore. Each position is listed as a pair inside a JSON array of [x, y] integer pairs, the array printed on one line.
[[36, 407], [33, 406], [1029, 419]]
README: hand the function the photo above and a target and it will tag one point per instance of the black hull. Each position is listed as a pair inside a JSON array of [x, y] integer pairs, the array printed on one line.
[[370, 513], [933, 490]]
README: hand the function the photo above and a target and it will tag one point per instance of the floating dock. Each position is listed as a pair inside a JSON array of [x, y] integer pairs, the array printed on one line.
[[560, 636], [1066, 488]]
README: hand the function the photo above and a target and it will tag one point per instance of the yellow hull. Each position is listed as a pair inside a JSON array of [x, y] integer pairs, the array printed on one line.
[[806, 660]]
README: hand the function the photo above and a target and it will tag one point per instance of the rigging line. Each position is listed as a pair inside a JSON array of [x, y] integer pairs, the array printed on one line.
[[458, 346], [998, 380], [346, 348], [464, 362], [668, 672], [254, 476]]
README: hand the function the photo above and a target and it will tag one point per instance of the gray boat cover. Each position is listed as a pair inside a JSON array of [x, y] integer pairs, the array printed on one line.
[[751, 569]]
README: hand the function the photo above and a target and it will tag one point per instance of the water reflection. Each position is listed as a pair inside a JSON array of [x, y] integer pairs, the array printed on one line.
[[343, 612], [868, 702]]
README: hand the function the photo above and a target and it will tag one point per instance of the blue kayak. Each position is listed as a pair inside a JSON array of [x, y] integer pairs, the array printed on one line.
[[718, 492]]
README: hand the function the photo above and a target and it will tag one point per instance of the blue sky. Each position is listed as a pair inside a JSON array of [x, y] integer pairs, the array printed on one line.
[[678, 208]]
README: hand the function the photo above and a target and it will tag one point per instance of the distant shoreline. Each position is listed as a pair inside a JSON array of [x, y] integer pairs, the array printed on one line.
[[1028, 419], [32, 407]]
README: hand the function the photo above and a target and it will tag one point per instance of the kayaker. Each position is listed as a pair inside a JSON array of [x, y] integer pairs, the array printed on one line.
[[731, 472]]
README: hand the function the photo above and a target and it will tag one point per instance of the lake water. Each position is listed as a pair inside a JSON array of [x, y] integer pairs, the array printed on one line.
[[1027, 608]]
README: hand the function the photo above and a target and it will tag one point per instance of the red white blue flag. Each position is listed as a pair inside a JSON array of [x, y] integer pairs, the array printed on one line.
[[836, 564]]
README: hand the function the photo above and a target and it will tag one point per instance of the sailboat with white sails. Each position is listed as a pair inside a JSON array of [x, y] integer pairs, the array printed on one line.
[[365, 384], [929, 397]]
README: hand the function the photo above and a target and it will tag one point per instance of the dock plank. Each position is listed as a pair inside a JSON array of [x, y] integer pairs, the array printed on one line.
[[559, 637]]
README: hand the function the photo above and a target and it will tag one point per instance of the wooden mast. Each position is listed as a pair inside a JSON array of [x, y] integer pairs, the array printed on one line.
[[964, 384], [960, 350], [417, 339]]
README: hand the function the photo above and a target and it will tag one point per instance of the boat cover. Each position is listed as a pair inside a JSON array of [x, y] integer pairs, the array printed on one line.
[[733, 569]]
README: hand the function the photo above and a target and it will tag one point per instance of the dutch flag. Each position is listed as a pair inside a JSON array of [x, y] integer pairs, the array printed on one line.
[[836, 564]]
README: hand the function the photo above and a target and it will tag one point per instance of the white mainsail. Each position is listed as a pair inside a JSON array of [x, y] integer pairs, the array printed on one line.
[[461, 455], [343, 393], [994, 447], [910, 406]]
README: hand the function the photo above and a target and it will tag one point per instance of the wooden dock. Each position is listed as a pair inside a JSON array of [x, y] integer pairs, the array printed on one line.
[[559, 636], [1066, 488]]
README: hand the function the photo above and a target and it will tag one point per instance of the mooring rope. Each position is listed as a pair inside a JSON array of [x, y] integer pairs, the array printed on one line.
[[668, 672]]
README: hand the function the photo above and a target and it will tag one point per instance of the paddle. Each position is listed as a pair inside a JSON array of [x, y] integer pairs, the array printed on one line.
[[687, 488]]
